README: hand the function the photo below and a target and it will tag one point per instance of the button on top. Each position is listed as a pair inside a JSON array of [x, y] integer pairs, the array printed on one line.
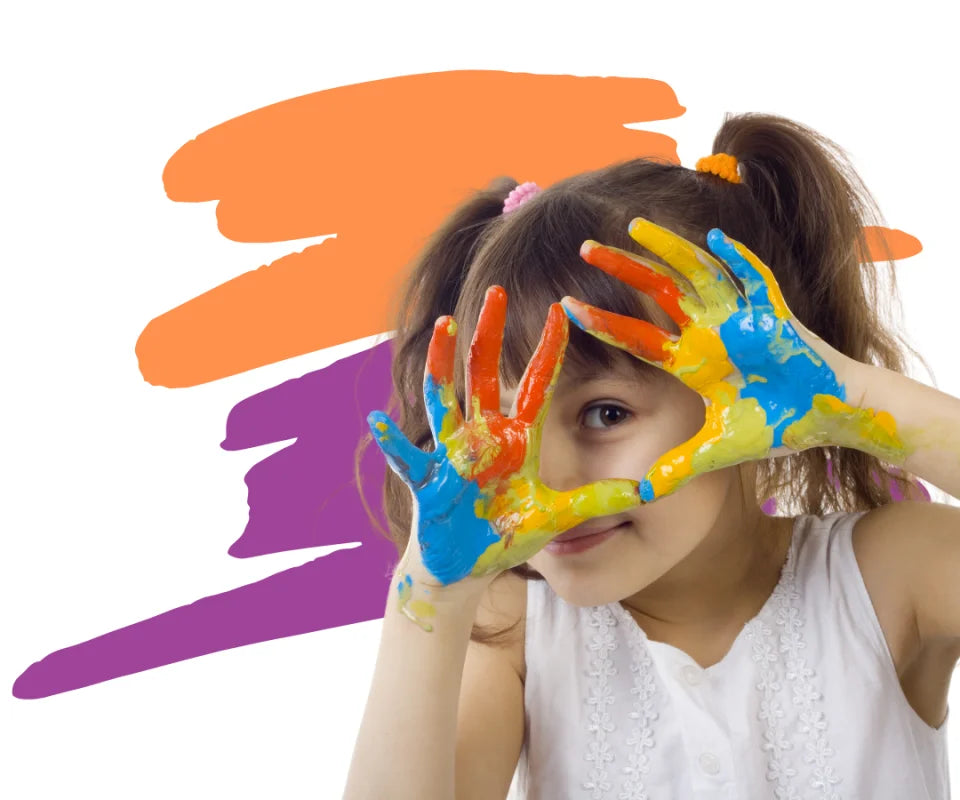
[[709, 763], [692, 674]]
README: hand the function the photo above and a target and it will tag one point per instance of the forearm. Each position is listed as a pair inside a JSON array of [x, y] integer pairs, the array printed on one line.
[[407, 741], [927, 423]]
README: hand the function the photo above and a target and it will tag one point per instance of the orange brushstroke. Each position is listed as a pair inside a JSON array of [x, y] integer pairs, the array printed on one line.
[[889, 244], [380, 164]]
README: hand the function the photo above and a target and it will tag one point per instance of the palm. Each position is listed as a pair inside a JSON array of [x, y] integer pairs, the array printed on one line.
[[480, 506], [768, 389]]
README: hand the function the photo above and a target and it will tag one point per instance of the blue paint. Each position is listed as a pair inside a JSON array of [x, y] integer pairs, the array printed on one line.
[[451, 537], [753, 283], [646, 491], [750, 338], [433, 401], [760, 343], [574, 320]]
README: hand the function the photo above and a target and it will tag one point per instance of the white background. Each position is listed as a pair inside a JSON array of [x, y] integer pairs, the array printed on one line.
[[118, 502]]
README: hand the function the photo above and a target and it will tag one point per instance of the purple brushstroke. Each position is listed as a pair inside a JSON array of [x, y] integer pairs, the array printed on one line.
[[302, 496]]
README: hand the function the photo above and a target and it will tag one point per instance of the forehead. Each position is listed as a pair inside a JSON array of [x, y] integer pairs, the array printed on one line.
[[573, 376]]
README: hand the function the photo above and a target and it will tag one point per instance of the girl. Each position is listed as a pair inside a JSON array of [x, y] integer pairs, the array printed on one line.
[[590, 592]]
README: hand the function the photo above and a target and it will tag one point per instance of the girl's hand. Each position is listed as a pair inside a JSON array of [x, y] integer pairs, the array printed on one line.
[[771, 385], [479, 505]]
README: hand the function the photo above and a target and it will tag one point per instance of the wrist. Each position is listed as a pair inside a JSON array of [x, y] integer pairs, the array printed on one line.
[[419, 596], [856, 378]]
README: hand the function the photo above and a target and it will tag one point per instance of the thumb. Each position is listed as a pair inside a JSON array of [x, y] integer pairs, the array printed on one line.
[[597, 499], [410, 463]]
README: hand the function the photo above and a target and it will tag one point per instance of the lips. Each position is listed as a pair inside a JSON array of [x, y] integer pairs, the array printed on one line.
[[587, 529]]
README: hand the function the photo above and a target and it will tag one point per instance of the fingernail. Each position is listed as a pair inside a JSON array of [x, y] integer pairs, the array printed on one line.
[[572, 318], [646, 491]]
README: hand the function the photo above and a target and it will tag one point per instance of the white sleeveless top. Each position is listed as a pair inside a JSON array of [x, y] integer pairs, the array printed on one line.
[[806, 704]]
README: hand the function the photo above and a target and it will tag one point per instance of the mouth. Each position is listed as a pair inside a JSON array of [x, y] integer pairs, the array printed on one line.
[[583, 537], [589, 529]]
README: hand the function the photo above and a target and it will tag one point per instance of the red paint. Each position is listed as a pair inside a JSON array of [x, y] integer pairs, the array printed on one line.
[[544, 363], [637, 336], [634, 272], [440, 353], [483, 369]]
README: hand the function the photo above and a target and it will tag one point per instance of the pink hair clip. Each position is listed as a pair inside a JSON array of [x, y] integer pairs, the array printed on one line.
[[519, 196]]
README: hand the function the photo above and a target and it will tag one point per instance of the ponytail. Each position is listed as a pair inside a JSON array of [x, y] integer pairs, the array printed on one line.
[[799, 206], [431, 290], [802, 208]]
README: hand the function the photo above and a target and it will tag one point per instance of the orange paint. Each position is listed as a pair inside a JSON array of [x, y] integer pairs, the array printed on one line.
[[637, 272], [889, 244], [636, 336], [483, 372], [380, 164]]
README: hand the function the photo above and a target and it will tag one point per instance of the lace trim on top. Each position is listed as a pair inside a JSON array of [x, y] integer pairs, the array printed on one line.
[[779, 659], [773, 668], [599, 723], [644, 691], [603, 620]]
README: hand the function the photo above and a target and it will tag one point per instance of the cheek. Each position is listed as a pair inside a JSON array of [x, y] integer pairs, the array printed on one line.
[[571, 456], [687, 408]]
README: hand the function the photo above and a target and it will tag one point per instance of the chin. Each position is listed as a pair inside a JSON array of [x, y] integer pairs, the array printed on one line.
[[595, 578]]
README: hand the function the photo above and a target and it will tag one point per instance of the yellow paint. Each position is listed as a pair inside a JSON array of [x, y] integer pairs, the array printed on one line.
[[473, 449], [451, 420], [689, 368], [415, 610], [529, 514], [719, 297], [730, 434], [784, 349], [696, 347], [756, 378], [421, 608], [682, 283], [832, 421], [773, 288]]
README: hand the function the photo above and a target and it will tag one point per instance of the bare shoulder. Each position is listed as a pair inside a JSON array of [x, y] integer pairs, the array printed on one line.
[[892, 545], [503, 611], [909, 555]]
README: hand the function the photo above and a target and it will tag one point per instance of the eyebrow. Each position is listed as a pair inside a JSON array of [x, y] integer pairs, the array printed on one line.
[[590, 374]]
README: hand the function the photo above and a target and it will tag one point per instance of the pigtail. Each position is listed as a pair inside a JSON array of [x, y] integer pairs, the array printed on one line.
[[430, 291], [802, 208]]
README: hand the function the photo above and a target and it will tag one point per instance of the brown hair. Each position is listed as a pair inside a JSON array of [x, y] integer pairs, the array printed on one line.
[[800, 207]]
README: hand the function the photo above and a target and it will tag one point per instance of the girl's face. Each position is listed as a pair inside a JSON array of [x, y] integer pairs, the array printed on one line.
[[615, 425]]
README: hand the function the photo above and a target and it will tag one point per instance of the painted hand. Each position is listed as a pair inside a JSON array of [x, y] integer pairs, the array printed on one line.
[[771, 385], [479, 505]]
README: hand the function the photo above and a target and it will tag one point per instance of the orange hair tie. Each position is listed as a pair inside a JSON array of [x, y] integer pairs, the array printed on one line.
[[720, 164]]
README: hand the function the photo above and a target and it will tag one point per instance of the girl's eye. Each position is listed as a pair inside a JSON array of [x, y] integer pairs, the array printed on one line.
[[604, 416]]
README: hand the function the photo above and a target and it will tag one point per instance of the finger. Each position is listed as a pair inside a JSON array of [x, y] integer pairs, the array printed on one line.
[[640, 338], [443, 410], [757, 279], [540, 376], [409, 462], [483, 365], [731, 434], [647, 276], [717, 292], [598, 499]]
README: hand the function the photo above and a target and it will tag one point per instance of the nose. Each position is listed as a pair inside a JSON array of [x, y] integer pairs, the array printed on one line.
[[561, 467]]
